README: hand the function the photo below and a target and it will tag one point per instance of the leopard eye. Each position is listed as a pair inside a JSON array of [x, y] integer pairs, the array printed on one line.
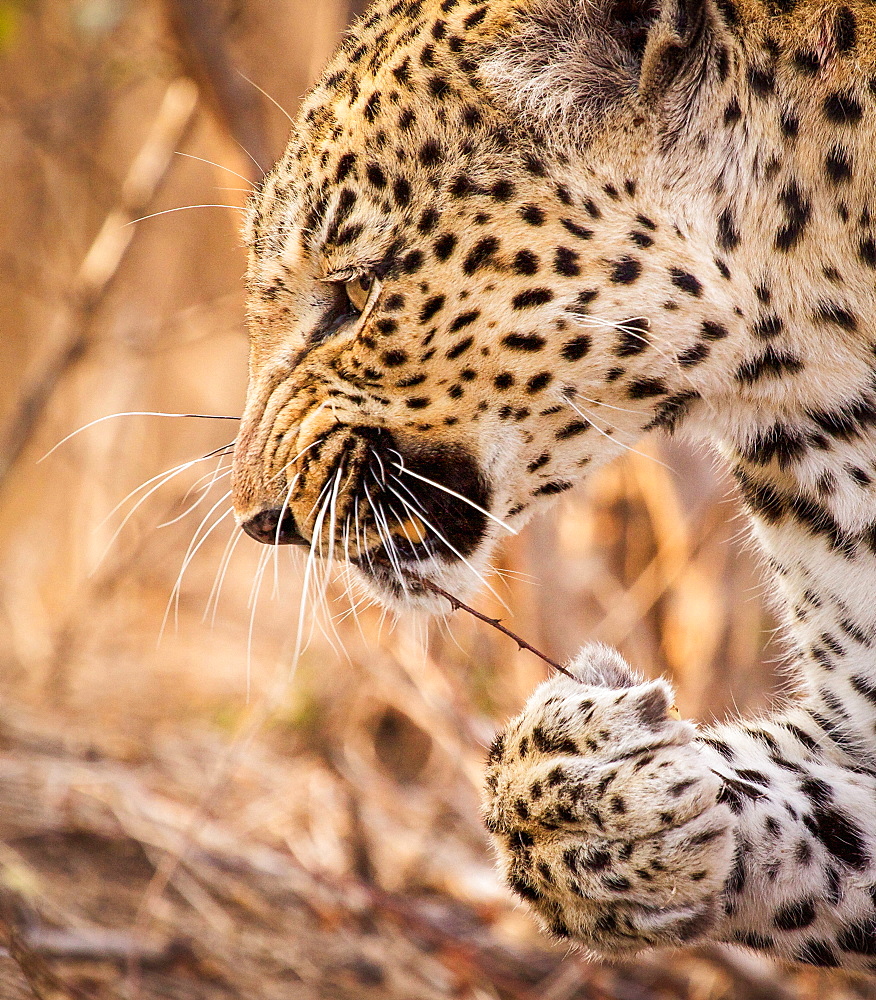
[[358, 289]]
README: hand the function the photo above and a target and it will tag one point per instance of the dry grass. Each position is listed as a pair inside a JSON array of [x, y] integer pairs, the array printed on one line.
[[186, 818]]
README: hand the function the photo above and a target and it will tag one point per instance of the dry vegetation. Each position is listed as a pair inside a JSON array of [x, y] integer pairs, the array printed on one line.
[[189, 818]]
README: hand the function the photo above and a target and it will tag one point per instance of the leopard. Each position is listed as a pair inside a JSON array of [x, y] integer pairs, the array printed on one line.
[[508, 239]]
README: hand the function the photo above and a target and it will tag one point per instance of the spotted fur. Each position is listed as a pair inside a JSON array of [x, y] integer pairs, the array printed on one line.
[[508, 238]]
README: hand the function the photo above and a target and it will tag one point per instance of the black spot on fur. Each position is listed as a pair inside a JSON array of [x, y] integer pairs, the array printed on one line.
[[838, 165], [539, 382], [345, 167], [444, 246], [525, 262], [832, 312], [625, 271], [817, 953], [713, 331], [533, 215], [732, 113], [651, 707], [574, 350], [524, 342], [576, 230], [728, 235], [480, 255], [459, 349], [845, 30], [768, 327], [671, 411], [551, 489], [572, 429], [833, 828], [771, 364], [552, 742], [860, 938], [842, 108], [566, 262], [796, 915], [780, 442], [807, 61], [686, 282], [694, 355], [430, 307], [797, 214], [762, 80], [532, 298], [464, 320], [645, 388], [497, 749]]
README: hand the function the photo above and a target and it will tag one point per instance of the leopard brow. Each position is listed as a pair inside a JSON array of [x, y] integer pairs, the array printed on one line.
[[344, 274]]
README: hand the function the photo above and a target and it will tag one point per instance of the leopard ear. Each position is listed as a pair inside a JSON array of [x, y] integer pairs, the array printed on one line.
[[564, 63], [683, 44]]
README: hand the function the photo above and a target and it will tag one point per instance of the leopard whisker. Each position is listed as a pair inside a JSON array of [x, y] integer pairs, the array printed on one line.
[[633, 451], [132, 413], [184, 208], [165, 477], [197, 486], [347, 575], [293, 460], [249, 156], [219, 579], [631, 331], [276, 588], [385, 534], [221, 166], [264, 93], [329, 561], [599, 402], [308, 573], [352, 583], [440, 536], [191, 551], [214, 477], [446, 489], [256, 590]]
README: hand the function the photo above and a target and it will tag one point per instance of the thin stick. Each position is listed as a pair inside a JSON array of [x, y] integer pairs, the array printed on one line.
[[99, 270], [457, 605]]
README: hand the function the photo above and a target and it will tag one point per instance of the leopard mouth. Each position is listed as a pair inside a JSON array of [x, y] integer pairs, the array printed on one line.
[[402, 512]]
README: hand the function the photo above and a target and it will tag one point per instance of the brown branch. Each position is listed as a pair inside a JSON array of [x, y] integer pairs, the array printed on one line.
[[101, 265], [101, 944], [237, 105], [42, 980], [496, 623]]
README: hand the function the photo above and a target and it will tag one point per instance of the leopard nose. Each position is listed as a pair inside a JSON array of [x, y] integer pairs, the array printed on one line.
[[274, 527]]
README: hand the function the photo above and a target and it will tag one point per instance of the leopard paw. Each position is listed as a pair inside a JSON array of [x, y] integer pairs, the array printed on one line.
[[605, 812]]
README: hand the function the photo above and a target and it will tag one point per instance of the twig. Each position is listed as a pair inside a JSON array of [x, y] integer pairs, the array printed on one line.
[[515, 972], [496, 623], [99, 944], [42, 980], [199, 32], [102, 263]]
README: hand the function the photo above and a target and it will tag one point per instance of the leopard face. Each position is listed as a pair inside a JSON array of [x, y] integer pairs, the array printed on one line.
[[499, 247]]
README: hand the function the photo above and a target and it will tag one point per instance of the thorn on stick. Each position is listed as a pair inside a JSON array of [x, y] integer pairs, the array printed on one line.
[[496, 623]]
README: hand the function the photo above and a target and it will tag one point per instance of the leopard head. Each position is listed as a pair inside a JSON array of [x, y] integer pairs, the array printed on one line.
[[478, 272]]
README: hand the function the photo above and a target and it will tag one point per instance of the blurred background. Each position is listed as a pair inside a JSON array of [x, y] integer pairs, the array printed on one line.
[[182, 814]]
